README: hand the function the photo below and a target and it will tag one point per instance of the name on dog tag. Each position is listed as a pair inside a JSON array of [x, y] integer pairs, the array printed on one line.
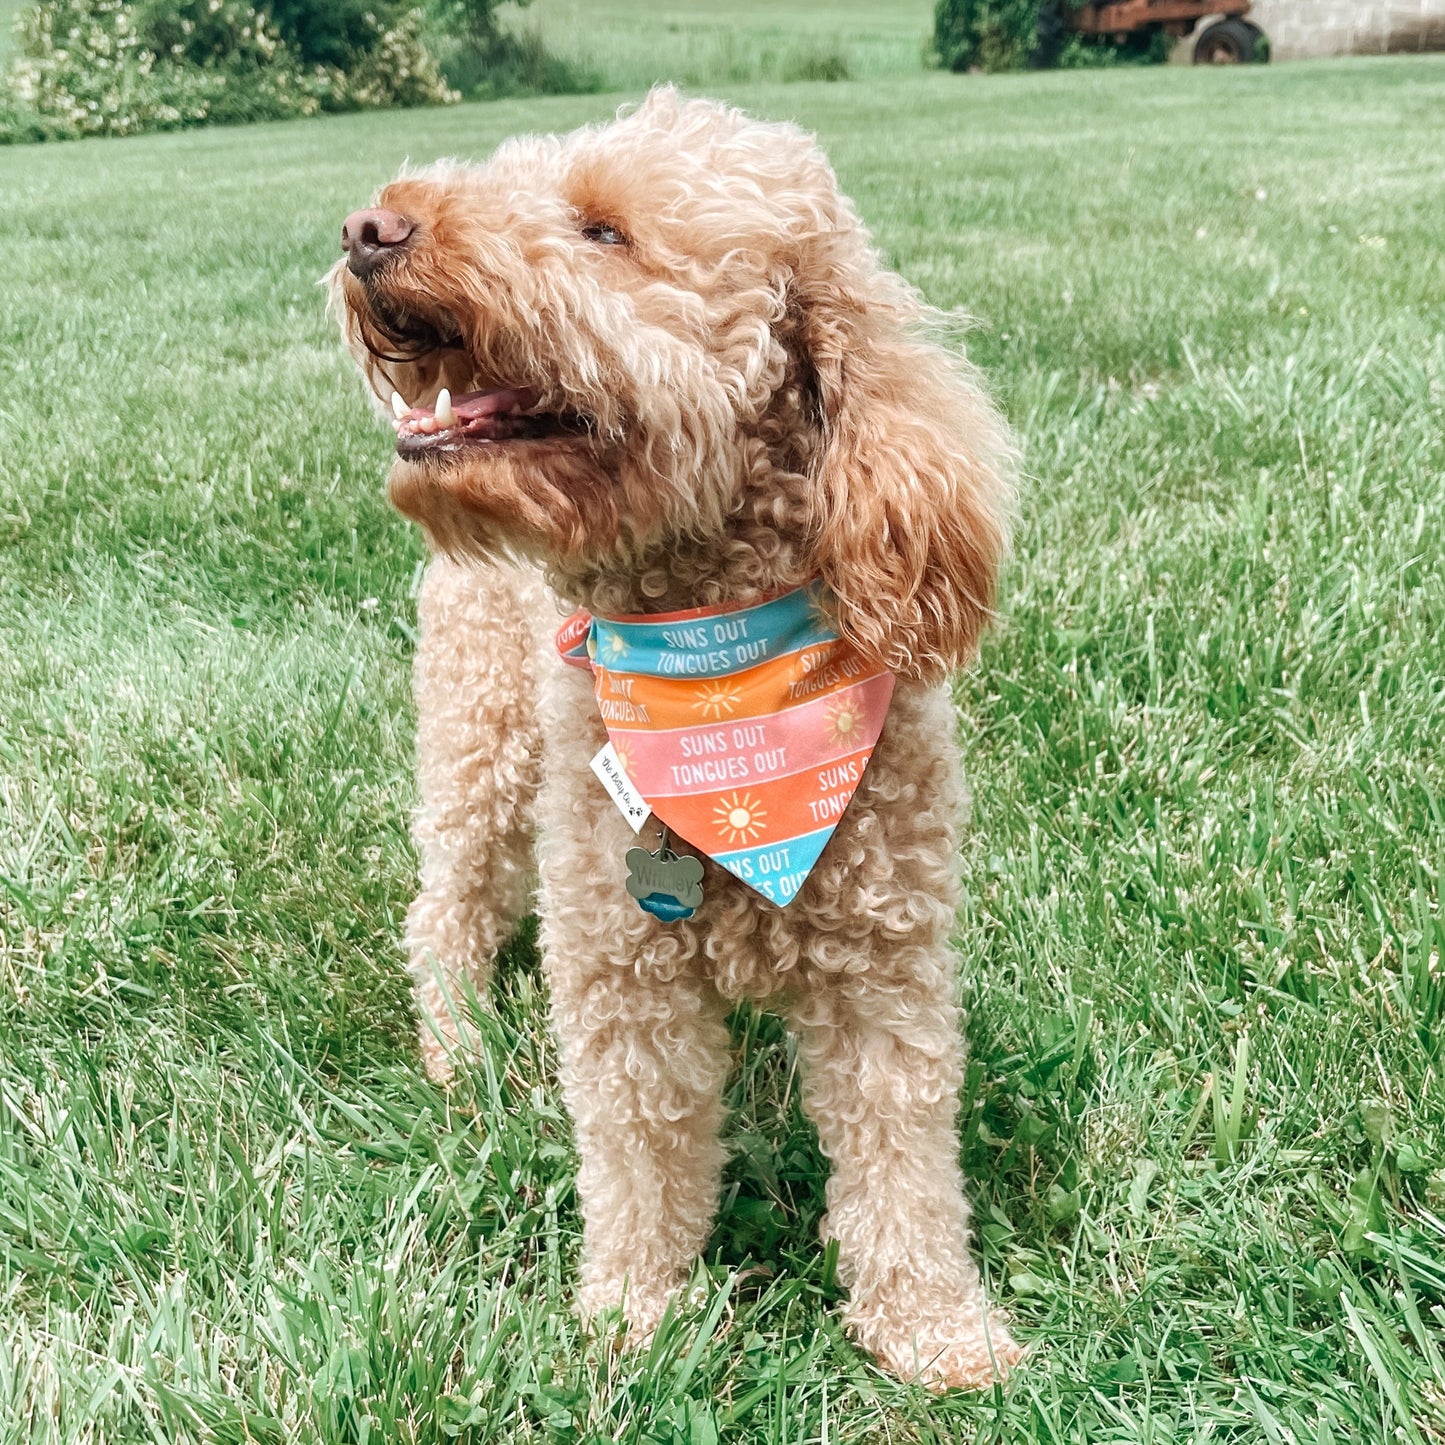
[[664, 885]]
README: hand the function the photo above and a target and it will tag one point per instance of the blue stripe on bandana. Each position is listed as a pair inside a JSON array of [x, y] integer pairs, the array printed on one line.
[[718, 645]]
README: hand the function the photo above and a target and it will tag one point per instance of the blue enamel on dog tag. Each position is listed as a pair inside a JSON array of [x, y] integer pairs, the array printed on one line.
[[664, 885]]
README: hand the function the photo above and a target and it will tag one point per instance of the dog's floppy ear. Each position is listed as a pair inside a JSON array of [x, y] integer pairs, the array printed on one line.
[[911, 490]]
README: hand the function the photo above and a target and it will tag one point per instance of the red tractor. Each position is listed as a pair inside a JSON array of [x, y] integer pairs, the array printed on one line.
[[1230, 40]]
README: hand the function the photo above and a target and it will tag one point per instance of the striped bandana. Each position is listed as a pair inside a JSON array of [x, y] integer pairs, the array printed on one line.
[[745, 729]]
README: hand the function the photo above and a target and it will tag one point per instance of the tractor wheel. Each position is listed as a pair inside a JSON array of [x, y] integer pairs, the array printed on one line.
[[1227, 42]]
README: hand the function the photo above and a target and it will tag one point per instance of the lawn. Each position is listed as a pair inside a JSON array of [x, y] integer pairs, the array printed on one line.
[[699, 42], [1205, 1111]]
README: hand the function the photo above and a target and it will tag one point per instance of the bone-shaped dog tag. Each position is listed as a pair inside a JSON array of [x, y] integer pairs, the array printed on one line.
[[666, 886]]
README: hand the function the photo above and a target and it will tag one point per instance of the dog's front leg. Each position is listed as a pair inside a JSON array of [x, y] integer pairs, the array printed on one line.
[[644, 1058], [880, 1080], [644, 1046], [477, 747]]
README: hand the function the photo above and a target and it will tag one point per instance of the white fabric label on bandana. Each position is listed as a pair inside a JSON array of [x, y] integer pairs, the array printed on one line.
[[620, 788]]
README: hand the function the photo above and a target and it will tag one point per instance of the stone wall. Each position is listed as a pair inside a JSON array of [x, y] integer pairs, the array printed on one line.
[[1299, 29]]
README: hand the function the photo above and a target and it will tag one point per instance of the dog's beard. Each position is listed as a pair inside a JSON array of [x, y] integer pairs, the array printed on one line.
[[548, 499]]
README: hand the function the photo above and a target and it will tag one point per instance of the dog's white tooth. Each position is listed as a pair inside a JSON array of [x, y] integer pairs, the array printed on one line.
[[443, 409], [399, 408]]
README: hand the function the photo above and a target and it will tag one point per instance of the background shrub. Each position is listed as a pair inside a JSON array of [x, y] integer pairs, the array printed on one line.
[[86, 67], [985, 34], [336, 32], [106, 67]]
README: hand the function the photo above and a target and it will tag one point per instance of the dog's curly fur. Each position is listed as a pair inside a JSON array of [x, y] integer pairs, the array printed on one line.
[[763, 405]]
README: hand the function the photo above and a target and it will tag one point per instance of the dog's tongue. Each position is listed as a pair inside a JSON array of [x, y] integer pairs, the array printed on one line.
[[474, 405]]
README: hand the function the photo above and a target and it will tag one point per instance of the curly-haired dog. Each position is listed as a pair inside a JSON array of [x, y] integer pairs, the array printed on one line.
[[659, 363]]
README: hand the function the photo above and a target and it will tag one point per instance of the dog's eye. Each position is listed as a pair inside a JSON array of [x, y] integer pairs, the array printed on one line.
[[603, 234]]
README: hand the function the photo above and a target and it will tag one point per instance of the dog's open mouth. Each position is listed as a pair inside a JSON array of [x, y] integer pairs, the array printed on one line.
[[478, 418]]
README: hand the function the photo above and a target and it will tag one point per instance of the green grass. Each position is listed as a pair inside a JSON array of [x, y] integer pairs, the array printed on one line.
[[698, 42], [1204, 1113]]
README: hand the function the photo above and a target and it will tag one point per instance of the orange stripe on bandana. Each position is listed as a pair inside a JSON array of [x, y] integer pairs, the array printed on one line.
[[632, 699]]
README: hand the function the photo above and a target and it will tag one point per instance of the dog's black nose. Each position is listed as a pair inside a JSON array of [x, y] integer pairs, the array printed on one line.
[[369, 237]]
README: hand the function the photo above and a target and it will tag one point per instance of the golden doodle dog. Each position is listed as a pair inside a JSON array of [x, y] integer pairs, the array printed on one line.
[[655, 370]]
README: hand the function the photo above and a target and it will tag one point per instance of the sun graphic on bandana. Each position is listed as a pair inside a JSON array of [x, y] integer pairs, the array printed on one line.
[[718, 699], [845, 720], [623, 754], [613, 646], [739, 818]]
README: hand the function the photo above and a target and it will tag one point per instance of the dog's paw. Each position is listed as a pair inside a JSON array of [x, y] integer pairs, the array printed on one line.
[[972, 1354], [436, 1056], [629, 1317], [446, 1037]]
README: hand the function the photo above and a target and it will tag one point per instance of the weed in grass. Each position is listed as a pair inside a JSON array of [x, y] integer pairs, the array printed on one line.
[[1202, 943], [817, 62]]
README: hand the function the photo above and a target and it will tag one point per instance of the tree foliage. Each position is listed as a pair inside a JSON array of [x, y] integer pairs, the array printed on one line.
[[986, 34]]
